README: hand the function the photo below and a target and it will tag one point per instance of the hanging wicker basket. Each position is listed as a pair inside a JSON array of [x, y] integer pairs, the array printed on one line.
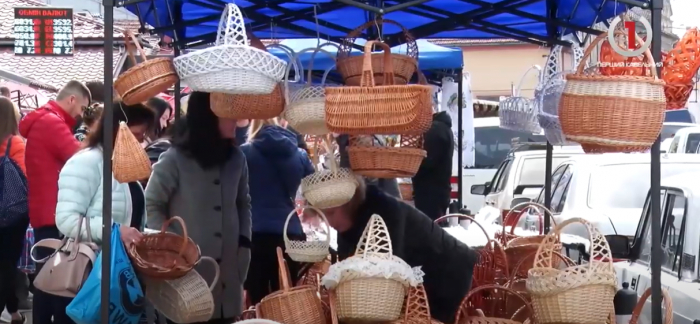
[[680, 67], [129, 160], [612, 113], [165, 255], [402, 67], [328, 188], [373, 161], [146, 79], [306, 251], [520, 113], [387, 109], [231, 65], [184, 300], [291, 305]]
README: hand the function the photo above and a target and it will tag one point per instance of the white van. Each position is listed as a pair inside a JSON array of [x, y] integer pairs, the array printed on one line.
[[685, 141]]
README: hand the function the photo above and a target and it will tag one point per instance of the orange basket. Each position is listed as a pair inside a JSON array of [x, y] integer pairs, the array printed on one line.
[[492, 304], [374, 161], [680, 67]]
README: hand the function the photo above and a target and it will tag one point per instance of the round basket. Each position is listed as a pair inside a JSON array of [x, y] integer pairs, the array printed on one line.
[[492, 304], [231, 66], [518, 282], [549, 95], [291, 304], [667, 307], [145, 80], [372, 161], [386, 109], [306, 251], [129, 160], [570, 295], [184, 300], [402, 67], [612, 113], [328, 188], [306, 107], [165, 255], [519, 113]]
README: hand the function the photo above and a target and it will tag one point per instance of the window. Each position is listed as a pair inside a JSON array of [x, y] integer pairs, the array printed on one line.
[[673, 147], [673, 210], [559, 192], [494, 181], [503, 178], [556, 175], [533, 169], [692, 143], [494, 143]]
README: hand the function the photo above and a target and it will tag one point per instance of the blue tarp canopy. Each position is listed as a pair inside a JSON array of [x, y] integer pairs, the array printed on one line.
[[431, 56], [538, 21]]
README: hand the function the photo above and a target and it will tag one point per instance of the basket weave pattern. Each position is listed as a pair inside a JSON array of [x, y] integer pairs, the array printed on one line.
[[129, 160], [491, 304], [306, 251], [680, 67], [519, 113], [386, 162], [328, 188]]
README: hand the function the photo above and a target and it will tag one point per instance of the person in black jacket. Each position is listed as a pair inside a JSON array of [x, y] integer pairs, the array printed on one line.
[[431, 185], [448, 264]]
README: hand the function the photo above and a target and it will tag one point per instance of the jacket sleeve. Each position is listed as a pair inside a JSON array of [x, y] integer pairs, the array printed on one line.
[[17, 152], [306, 163], [78, 183], [63, 144], [162, 184]]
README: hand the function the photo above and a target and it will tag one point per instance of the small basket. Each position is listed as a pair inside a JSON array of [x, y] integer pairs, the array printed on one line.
[[612, 113], [386, 109], [491, 304], [402, 66], [578, 294], [306, 251], [165, 255], [145, 80], [682, 62], [371, 299], [129, 160], [291, 304], [231, 65], [328, 188], [372, 161], [416, 309], [184, 300], [667, 307], [677, 94], [519, 113], [518, 283]]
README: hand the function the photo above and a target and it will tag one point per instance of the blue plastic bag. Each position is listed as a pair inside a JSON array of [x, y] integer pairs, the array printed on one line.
[[125, 295], [26, 264]]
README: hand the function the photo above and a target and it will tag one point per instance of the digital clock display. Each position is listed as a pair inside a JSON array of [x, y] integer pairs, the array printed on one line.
[[43, 31]]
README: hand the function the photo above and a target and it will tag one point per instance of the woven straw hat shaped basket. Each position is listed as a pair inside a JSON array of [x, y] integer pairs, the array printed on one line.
[[129, 160]]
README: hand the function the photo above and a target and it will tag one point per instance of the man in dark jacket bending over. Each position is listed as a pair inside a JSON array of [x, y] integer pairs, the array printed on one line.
[[431, 185]]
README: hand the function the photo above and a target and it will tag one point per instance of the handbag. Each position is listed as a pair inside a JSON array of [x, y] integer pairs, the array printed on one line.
[[67, 268]]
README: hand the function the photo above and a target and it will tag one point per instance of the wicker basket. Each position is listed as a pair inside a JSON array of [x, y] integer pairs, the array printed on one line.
[[416, 309], [612, 113], [491, 304], [231, 65], [165, 255], [406, 190], [667, 307], [372, 161], [518, 283], [146, 79], [680, 67], [371, 299], [328, 188], [387, 109], [291, 305], [184, 300], [306, 251], [402, 66], [549, 95], [129, 160], [571, 295], [306, 107], [519, 113]]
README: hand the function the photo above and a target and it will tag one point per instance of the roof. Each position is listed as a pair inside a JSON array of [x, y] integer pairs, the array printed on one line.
[[83, 27], [684, 181], [628, 158], [688, 130]]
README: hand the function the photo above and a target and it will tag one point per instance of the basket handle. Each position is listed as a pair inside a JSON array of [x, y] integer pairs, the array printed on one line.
[[289, 52], [531, 256], [522, 78], [294, 212], [603, 36], [185, 238], [464, 303], [313, 57], [231, 29], [421, 314], [375, 239], [368, 73], [135, 43], [217, 272], [554, 63], [668, 306], [349, 40], [462, 216], [297, 58], [283, 271], [526, 206], [599, 247]]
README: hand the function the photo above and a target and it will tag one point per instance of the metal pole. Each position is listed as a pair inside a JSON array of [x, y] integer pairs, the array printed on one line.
[[176, 15], [656, 253], [362, 6], [107, 147], [460, 135], [548, 184]]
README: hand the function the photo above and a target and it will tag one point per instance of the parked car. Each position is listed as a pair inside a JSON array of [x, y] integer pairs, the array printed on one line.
[[685, 141], [680, 245]]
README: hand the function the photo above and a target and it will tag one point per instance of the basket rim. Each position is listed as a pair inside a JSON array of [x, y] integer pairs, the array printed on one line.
[[280, 63], [148, 65], [615, 78]]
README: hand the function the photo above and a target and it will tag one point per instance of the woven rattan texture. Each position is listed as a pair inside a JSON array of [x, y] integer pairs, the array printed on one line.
[[165, 255], [248, 106], [386, 162], [667, 307], [328, 188], [403, 66], [491, 304], [516, 248], [306, 251], [682, 62], [520, 113], [370, 299], [184, 300], [129, 160]]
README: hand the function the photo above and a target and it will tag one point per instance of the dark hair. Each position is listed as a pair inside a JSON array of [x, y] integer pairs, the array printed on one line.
[[97, 90], [92, 114], [137, 114], [201, 138], [160, 106], [8, 120], [5, 92], [74, 88]]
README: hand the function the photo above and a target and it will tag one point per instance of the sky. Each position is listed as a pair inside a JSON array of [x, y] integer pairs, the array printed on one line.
[[686, 13]]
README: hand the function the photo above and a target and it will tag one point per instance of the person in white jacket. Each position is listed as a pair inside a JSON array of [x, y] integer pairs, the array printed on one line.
[[80, 183]]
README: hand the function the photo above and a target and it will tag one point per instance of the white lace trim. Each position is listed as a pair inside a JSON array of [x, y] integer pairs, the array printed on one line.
[[372, 267]]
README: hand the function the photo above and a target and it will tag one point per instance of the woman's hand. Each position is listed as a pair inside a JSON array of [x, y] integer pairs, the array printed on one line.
[[130, 235]]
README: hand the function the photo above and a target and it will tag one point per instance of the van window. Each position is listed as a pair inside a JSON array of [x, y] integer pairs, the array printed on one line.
[[493, 144], [533, 170], [691, 145], [673, 147]]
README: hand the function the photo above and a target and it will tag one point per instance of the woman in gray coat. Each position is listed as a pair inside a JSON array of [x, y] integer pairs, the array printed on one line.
[[203, 179]]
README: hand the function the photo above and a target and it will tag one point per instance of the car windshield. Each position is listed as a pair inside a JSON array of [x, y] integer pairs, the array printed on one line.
[[533, 170], [667, 131], [626, 185], [493, 144]]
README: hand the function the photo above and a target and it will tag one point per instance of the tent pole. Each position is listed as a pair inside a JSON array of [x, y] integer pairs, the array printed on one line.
[[460, 135], [107, 146], [548, 184], [655, 192]]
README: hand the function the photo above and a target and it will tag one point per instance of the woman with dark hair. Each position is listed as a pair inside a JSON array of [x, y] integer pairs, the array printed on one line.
[[203, 178], [80, 182], [164, 113], [12, 236], [89, 119]]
